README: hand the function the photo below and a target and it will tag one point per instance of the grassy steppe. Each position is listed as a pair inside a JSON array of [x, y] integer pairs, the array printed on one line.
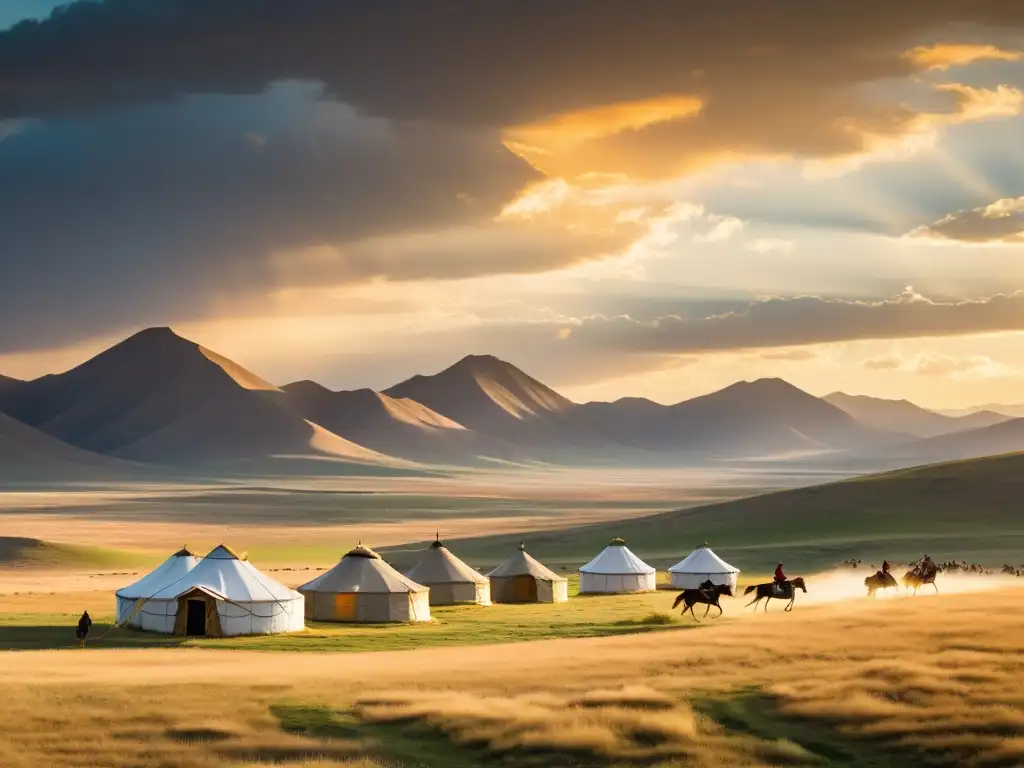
[[931, 682], [966, 509], [48, 621]]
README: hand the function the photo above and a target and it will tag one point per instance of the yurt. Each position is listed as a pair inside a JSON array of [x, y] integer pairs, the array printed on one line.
[[521, 579], [450, 580], [616, 570], [223, 595], [699, 566], [131, 600], [363, 588]]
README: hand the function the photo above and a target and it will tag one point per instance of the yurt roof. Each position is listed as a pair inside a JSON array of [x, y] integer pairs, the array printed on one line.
[[522, 564], [170, 571], [703, 560], [362, 570], [223, 574], [616, 559], [439, 566]]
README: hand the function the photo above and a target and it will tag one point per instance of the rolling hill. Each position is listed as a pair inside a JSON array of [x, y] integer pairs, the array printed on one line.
[[1004, 437], [29, 455], [36, 554], [157, 397], [966, 509], [903, 416], [396, 427]]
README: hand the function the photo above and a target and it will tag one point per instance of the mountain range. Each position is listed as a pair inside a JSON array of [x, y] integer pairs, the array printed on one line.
[[159, 399]]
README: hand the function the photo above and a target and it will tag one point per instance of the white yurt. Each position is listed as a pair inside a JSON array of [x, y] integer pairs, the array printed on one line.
[[451, 581], [617, 570], [363, 588], [699, 566], [223, 595], [170, 571], [521, 579]]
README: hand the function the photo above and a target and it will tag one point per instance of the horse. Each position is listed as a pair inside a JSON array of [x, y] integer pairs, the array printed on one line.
[[880, 580], [916, 580], [691, 597], [788, 589]]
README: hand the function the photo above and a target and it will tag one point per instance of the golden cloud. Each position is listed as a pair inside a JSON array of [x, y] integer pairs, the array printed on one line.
[[554, 146], [942, 56]]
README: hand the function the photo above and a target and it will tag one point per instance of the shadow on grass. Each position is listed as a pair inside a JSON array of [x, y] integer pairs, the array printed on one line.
[[54, 637], [407, 744], [755, 713]]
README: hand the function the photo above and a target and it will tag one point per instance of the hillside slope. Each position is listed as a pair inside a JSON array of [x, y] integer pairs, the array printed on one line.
[[494, 398], [157, 397], [1004, 437], [396, 427], [28, 454], [968, 509], [904, 416]]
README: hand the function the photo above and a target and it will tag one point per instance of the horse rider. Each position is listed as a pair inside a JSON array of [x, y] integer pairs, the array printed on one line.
[[708, 589], [886, 567], [780, 575], [84, 625]]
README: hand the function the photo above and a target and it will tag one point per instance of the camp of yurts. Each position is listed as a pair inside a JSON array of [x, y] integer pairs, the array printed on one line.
[[699, 566], [222, 595], [363, 588], [450, 580], [521, 579], [131, 600], [617, 570]]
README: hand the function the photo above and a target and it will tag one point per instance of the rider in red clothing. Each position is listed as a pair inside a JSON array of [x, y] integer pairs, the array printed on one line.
[[780, 576]]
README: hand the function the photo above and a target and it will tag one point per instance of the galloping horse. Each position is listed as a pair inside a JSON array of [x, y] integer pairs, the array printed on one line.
[[912, 579], [880, 580], [708, 596], [778, 591]]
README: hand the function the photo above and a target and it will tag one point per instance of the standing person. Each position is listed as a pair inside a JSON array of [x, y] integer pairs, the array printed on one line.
[[84, 625]]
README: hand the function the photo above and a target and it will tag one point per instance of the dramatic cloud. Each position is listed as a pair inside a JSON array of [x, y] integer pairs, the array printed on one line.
[[182, 159], [169, 210], [779, 322], [771, 323], [678, 76], [999, 222]]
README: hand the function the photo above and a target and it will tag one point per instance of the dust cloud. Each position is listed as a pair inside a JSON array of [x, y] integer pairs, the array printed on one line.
[[848, 584]]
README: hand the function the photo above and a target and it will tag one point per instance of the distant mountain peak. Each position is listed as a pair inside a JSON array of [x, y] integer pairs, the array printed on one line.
[[481, 384], [481, 364]]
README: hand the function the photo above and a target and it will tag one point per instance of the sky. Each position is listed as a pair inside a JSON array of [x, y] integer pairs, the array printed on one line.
[[647, 199]]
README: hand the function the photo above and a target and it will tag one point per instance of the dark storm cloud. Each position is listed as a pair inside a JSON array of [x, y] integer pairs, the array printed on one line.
[[168, 212], [125, 198], [469, 60]]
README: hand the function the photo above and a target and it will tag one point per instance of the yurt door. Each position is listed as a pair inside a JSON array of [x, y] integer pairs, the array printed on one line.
[[196, 619], [524, 589]]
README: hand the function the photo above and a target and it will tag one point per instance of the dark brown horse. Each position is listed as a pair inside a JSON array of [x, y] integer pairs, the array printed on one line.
[[708, 596], [880, 580], [779, 591], [914, 580]]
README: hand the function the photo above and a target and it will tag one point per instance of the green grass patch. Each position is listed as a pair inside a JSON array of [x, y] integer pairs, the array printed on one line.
[[588, 616], [19, 552], [757, 714]]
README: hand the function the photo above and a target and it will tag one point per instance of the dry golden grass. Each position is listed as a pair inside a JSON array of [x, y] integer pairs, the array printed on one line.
[[932, 681]]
